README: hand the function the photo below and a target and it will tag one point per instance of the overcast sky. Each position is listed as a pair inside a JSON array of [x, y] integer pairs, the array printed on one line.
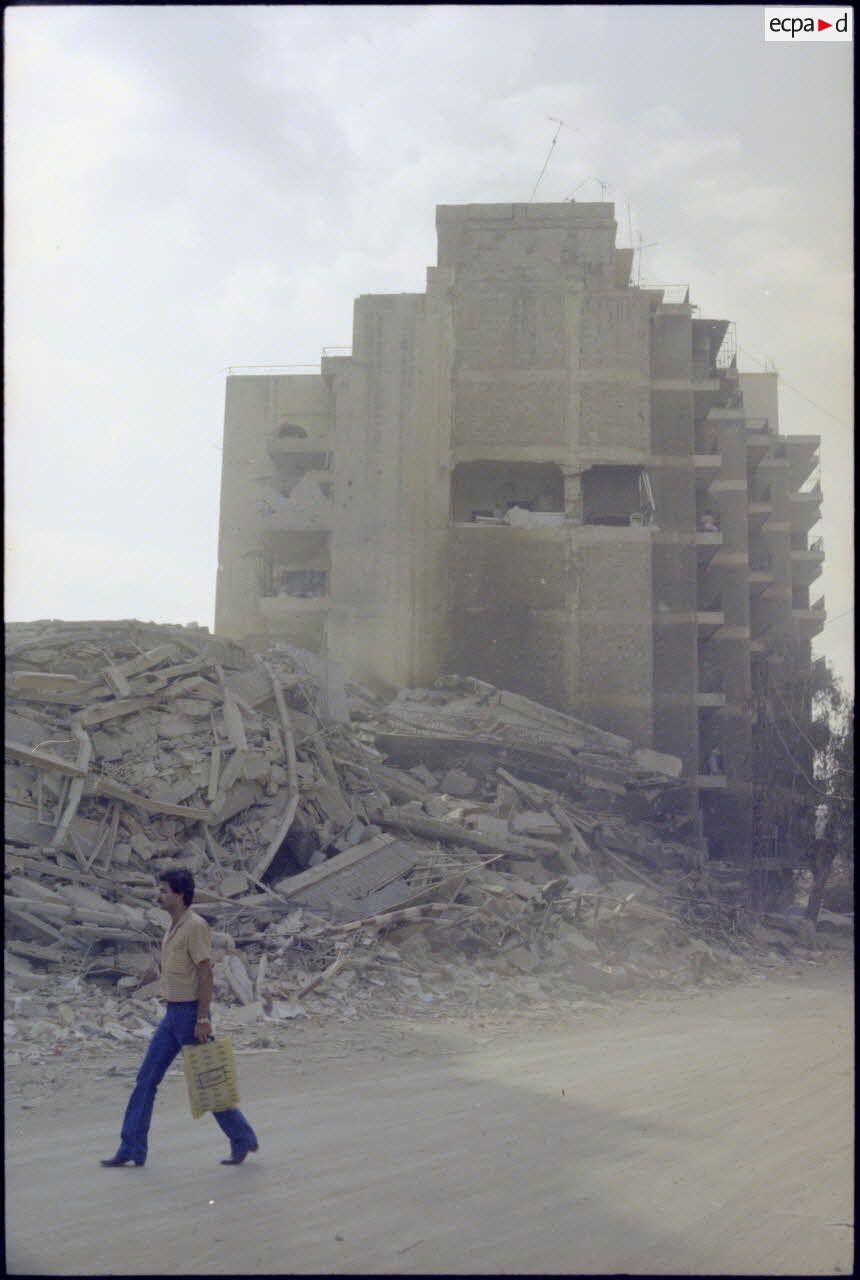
[[192, 188]]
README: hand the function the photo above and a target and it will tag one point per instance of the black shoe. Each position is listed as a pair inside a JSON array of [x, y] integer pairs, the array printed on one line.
[[118, 1160], [236, 1157]]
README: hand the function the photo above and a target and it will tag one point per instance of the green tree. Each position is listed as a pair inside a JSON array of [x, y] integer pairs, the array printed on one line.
[[833, 839], [802, 770]]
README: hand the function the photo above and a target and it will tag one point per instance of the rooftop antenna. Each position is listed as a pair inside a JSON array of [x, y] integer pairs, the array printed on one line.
[[561, 125], [651, 245]]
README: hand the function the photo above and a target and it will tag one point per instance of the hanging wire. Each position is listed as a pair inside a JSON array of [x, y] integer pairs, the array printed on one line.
[[831, 621], [791, 387]]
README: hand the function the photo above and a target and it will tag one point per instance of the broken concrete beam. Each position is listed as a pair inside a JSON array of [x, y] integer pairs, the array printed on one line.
[[657, 762], [449, 832], [330, 799], [232, 771], [117, 682], [535, 824], [563, 722], [32, 925], [399, 784], [100, 712], [241, 796], [233, 722], [24, 682], [214, 774], [44, 759], [292, 779], [76, 790], [336, 866], [161, 653], [233, 969], [101, 786], [33, 951]]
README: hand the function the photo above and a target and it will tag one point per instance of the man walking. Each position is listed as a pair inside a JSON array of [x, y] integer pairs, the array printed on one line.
[[186, 988]]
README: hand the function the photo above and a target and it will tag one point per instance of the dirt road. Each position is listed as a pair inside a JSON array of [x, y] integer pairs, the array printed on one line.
[[698, 1135]]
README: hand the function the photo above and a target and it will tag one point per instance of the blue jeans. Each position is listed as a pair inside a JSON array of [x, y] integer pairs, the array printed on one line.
[[175, 1029]]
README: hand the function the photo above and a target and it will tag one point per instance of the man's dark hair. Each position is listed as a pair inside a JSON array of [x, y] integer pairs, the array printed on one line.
[[180, 881]]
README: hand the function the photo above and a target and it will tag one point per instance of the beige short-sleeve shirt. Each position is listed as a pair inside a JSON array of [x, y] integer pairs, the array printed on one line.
[[185, 944]]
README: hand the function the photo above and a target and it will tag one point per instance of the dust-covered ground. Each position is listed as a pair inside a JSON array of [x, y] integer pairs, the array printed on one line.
[[692, 1133]]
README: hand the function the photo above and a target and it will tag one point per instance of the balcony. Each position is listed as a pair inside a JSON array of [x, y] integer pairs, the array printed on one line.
[[758, 439], [810, 621], [804, 509], [708, 622], [807, 562], [758, 514], [761, 572], [711, 781], [722, 415], [802, 452], [707, 546], [709, 698], [707, 467]]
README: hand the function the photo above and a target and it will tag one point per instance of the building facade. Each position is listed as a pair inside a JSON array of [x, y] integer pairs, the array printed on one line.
[[541, 475]]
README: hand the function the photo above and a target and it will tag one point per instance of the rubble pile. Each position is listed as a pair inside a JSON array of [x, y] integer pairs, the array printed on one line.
[[460, 842]]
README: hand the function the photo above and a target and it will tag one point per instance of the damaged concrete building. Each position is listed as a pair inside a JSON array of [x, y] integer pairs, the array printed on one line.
[[542, 475]]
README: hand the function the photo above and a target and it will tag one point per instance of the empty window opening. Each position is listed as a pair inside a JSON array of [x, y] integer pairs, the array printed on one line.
[[290, 468], [289, 431], [301, 582], [617, 495], [486, 492], [295, 564]]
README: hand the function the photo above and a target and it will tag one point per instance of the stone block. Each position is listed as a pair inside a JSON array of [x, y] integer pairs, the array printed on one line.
[[491, 827], [457, 783], [423, 774]]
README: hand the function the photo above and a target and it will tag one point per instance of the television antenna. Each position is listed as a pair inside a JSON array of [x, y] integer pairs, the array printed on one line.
[[561, 125], [640, 246]]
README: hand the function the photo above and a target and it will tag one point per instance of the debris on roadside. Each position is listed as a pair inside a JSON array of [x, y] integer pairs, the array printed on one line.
[[453, 843]]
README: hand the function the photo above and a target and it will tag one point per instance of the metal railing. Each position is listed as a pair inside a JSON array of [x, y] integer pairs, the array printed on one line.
[[761, 562], [817, 545]]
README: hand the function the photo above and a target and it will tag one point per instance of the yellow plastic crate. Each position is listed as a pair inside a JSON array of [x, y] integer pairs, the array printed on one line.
[[210, 1073]]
